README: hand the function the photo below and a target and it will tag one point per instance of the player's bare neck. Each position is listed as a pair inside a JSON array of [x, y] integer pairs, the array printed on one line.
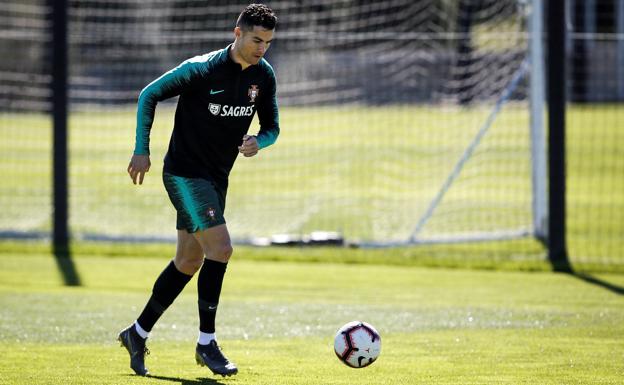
[[236, 57]]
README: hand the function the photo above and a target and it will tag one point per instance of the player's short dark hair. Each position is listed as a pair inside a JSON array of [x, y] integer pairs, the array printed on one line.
[[256, 15]]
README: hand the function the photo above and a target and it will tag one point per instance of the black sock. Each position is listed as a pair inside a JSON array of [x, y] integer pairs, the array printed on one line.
[[167, 287], [209, 284]]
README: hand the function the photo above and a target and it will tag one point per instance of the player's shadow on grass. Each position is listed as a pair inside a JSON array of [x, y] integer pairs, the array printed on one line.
[[184, 381], [66, 266]]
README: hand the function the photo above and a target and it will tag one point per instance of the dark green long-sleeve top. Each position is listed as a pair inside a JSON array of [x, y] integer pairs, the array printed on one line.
[[217, 103]]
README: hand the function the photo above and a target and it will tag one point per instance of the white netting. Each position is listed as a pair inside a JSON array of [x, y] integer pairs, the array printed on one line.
[[379, 100]]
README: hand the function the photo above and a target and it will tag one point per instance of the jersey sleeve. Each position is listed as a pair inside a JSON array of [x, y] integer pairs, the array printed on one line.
[[268, 115], [170, 84]]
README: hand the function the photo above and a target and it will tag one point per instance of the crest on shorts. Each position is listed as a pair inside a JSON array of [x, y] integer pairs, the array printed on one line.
[[211, 212], [214, 108], [253, 93]]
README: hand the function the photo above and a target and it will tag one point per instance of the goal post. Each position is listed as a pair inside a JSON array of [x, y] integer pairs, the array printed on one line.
[[532, 68], [412, 120], [538, 136], [405, 122]]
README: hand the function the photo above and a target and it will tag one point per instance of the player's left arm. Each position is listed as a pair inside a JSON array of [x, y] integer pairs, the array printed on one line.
[[268, 115]]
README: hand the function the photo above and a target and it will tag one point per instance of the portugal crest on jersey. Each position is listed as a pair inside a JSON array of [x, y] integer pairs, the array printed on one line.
[[253, 93], [214, 108], [211, 212]]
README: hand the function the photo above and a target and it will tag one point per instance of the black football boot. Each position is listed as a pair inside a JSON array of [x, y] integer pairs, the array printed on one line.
[[135, 344], [210, 355]]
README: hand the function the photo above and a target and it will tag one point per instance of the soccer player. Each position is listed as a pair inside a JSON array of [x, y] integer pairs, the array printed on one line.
[[219, 94]]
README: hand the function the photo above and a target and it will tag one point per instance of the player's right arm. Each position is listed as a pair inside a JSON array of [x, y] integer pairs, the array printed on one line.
[[168, 85], [139, 165]]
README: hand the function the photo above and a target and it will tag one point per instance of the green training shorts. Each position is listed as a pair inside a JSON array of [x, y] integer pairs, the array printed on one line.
[[198, 202]]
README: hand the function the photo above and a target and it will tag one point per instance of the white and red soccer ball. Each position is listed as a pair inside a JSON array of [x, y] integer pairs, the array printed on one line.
[[357, 344]]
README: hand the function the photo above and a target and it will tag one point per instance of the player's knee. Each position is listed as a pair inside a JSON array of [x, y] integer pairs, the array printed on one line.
[[221, 253], [226, 252], [189, 265], [195, 264]]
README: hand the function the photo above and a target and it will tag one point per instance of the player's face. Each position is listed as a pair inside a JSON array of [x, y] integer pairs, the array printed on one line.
[[252, 45]]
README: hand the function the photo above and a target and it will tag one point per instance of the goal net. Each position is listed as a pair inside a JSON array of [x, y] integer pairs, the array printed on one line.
[[402, 121]]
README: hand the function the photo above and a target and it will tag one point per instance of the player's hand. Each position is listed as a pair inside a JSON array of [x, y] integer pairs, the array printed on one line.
[[139, 165], [249, 146]]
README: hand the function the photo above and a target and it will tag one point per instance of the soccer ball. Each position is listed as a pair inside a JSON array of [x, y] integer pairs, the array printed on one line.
[[357, 344]]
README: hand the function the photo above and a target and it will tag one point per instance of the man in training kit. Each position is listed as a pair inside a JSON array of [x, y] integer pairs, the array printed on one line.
[[219, 95]]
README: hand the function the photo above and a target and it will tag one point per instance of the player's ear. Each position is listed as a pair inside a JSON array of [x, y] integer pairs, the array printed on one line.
[[237, 32]]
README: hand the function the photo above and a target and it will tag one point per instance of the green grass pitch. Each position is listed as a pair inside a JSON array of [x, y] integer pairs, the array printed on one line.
[[277, 321], [281, 306]]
